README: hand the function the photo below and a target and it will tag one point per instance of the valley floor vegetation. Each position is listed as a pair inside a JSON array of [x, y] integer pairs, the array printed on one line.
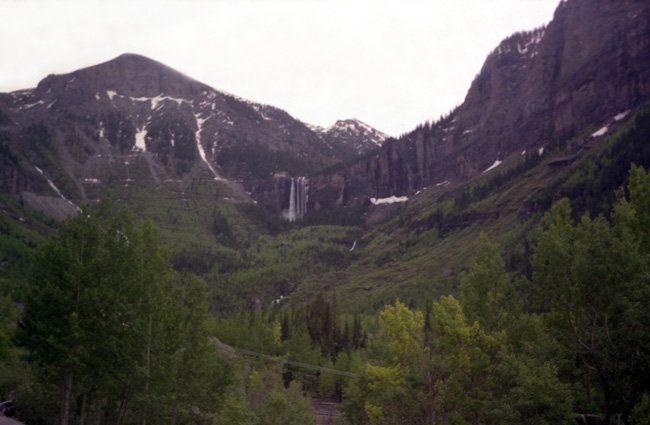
[[108, 333]]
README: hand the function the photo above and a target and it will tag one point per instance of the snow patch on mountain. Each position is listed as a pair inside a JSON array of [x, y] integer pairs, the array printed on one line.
[[315, 128], [389, 200], [199, 124], [140, 139], [536, 38], [600, 132], [523, 43], [353, 128], [160, 98], [622, 115], [31, 105], [493, 166], [156, 102], [56, 189], [260, 110]]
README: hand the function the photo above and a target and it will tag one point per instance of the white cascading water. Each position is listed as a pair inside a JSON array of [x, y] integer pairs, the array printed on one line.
[[291, 215], [297, 199]]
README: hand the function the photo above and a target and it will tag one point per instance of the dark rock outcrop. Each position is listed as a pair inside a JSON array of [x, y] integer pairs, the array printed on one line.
[[589, 64]]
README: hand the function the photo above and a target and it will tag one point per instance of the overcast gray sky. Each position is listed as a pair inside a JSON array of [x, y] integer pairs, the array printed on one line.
[[390, 63]]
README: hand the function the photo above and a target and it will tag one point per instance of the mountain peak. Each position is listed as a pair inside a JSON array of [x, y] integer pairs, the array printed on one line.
[[129, 74], [355, 128], [131, 57]]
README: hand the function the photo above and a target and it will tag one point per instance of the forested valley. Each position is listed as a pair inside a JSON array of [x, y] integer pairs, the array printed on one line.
[[109, 333], [104, 323]]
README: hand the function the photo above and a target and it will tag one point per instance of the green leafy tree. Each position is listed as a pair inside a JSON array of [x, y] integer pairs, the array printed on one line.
[[391, 395], [273, 403], [203, 375], [100, 318], [487, 291], [524, 385], [448, 379], [594, 284], [14, 372], [467, 355], [533, 394]]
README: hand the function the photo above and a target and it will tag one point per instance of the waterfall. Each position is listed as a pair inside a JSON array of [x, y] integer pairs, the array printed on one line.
[[292, 202], [298, 195], [301, 198]]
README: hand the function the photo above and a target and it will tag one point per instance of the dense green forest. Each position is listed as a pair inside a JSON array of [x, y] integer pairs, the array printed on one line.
[[109, 333], [542, 318]]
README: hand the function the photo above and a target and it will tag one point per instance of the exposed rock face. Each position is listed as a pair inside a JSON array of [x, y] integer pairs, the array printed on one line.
[[273, 193], [127, 75], [134, 102], [589, 64], [134, 118], [13, 179]]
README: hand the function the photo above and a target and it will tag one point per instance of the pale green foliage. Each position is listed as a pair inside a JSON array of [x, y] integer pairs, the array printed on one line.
[[446, 380], [235, 411], [522, 389], [467, 356], [404, 330]]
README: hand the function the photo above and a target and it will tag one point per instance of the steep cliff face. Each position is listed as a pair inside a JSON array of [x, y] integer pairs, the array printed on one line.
[[589, 64]]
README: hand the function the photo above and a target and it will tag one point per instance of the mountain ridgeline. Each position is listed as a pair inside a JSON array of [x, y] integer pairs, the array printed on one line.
[[132, 118], [536, 88]]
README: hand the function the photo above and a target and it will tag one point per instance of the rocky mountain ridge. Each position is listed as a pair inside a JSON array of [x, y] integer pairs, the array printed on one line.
[[133, 118], [591, 63], [356, 136]]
